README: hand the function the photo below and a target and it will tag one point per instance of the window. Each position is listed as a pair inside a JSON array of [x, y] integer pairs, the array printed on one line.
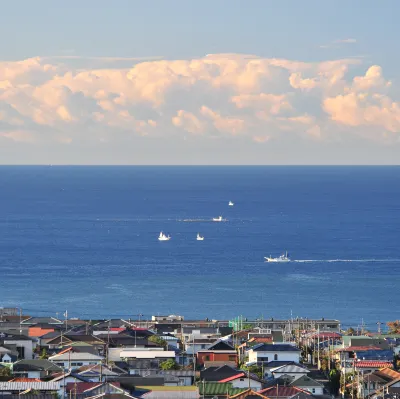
[[313, 390], [232, 358], [242, 379], [275, 357], [207, 358]]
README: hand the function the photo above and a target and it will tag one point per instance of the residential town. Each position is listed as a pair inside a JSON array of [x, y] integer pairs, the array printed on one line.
[[172, 357]]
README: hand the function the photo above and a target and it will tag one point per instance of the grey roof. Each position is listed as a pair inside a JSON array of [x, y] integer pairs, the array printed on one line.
[[277, 363], [23, 386], [37, 320], [275, 348], [290, 368], [35, 364], [305, 381], [8, 336]]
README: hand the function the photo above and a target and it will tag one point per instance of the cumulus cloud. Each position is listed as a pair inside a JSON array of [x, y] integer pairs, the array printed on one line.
[[219, 95]]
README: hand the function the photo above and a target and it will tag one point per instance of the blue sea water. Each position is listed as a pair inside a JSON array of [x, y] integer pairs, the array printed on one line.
[[85, 239]]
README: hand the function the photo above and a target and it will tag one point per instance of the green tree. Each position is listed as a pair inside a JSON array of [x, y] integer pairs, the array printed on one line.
[[169, 364], [159, 341], [5, 372], [44, 354], [257, 370], [334, 381]]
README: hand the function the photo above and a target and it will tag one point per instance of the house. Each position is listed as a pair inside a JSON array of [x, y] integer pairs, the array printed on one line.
[[273, 365], [209, 358], [217, 374], [69, 359], [191, 333], [90, 389], [146, 353], [243, 380], [264, 353], [67, 378], [195, 345], [308, 384], [97, 373], [23, 345], [184, 377], [294, 371], [41, 329], [35, 368], [371, 365]]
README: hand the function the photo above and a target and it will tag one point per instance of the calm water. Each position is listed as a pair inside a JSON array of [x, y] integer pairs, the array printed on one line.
[[85, 239]]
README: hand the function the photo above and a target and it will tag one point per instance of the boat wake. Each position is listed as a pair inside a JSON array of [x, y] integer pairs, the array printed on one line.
[[343, 260], [200, 220]]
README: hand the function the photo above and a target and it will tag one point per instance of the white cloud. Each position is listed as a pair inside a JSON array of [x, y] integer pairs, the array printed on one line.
[[220, 95]]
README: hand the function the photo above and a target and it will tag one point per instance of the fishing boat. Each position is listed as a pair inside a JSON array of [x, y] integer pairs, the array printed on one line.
[[218, 219], [199, 237], [230, 203], [283, 258], [163, 237]]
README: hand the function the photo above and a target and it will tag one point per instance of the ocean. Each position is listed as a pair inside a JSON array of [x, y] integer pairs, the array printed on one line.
[[84, 239]]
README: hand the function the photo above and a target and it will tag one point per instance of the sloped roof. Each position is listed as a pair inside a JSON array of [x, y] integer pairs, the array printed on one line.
[[218, 388], [23, 386], [35, 365], [280, 391], [372, 364], [248, 393], [305, 381], [290, 368], [275, 348], [388, 373], [82, 387]]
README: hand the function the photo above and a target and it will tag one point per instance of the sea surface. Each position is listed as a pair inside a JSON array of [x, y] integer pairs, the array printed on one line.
[[84, 239]]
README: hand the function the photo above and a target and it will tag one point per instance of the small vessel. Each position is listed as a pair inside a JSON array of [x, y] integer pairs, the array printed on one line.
[[163, 237], [283, 258], [231, 203], [199, 237], [218, 219]]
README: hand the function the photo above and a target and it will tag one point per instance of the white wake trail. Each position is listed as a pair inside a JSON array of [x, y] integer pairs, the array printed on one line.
[[343, 260]]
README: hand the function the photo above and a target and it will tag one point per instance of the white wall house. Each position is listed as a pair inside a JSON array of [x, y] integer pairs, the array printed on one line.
[[71, 360], [24, 345], [242, 381], [264, 353]]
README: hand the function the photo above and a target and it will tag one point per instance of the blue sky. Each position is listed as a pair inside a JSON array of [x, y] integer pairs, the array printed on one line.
[[74, 38]]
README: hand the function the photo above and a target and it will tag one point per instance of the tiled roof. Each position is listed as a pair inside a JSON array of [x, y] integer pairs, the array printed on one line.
[[388, 372], [82, 387], [234, 377], [359, 348], [25, 379], [290, 368], [218, 388], [23, 386], [281, 391], [372, 364], [249, 393]]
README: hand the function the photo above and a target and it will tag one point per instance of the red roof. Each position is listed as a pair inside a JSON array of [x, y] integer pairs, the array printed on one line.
[[359, 348], [65, 351], [326, 335], [24, 379], [240, 375], [372, 364], [282, 391]]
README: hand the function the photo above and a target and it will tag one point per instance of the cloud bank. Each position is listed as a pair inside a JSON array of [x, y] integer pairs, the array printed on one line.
[[216, 97]]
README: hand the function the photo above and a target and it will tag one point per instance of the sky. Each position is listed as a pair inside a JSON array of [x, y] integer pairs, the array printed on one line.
[[200, 82]]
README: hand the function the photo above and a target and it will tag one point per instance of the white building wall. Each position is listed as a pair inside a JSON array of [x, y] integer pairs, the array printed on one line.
[[254, 356], [244, 383], [28, 346]]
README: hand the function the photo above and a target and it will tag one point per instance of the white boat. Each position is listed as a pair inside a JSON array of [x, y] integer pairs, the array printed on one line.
[[231, 203], [218, 219], [283, 258], [199, 237], [163, 237]]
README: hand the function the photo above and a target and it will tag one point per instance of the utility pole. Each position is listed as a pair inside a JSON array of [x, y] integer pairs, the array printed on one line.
[[318, 364]]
